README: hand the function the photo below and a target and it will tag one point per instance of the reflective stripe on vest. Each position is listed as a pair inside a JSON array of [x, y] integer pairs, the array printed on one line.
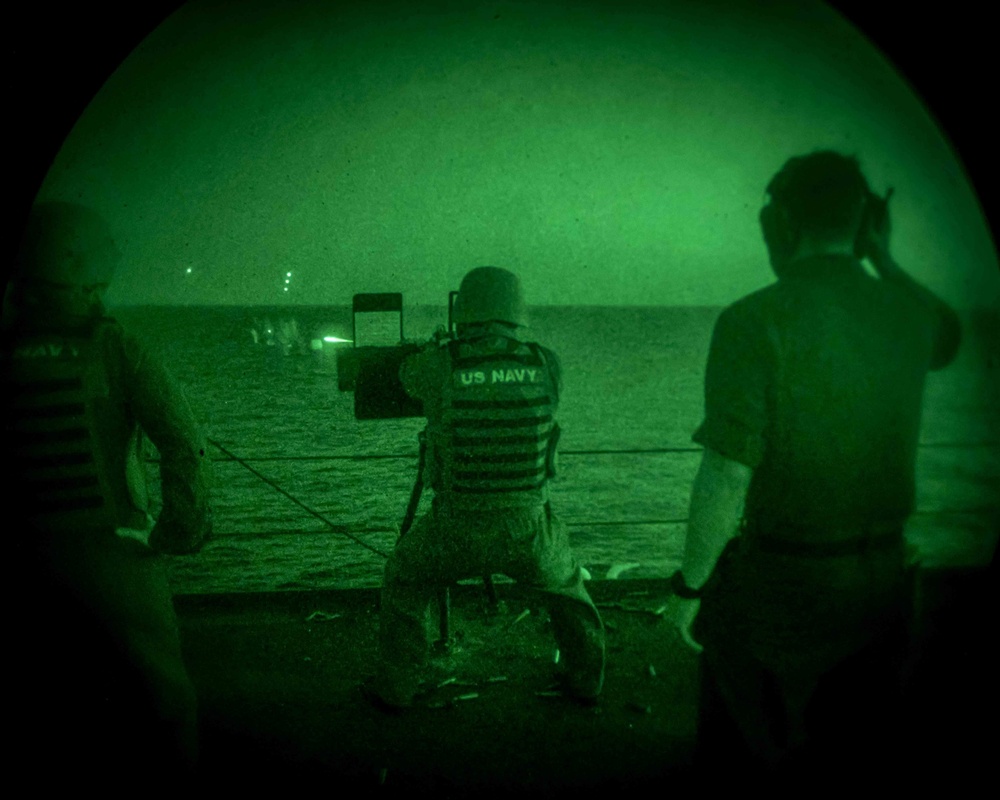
[[496, 422], [50, 431]]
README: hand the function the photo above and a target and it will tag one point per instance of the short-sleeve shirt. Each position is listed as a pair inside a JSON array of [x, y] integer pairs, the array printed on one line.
[[816, 382], [158, 404]]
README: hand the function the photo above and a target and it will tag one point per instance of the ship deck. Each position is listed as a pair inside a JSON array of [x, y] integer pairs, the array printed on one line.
[[277, 676]]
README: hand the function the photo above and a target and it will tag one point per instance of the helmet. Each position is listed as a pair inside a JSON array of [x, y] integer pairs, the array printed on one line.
[[67, 244], [490, 293]]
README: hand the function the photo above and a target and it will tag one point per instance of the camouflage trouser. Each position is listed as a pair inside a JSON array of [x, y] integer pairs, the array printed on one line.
[[103, 677], [529, 545]]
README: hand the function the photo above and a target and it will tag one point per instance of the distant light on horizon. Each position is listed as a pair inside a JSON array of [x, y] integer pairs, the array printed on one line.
[[334, 339]]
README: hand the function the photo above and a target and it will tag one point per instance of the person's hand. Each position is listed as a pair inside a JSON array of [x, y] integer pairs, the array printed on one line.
[[435, 340], [440, 335], [876, 230], [684, 613]]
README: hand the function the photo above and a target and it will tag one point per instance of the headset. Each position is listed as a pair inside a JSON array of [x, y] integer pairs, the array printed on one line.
[[780, 226]]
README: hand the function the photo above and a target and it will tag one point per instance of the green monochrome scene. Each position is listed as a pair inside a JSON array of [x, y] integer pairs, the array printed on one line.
[[260, 164]]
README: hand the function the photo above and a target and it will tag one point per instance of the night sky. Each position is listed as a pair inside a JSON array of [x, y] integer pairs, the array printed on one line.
[[611, 153]]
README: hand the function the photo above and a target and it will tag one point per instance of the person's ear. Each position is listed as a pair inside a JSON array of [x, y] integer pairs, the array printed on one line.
[[779, 233]]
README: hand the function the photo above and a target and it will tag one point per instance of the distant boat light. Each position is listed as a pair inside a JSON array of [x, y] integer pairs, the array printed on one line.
[[334, 339]]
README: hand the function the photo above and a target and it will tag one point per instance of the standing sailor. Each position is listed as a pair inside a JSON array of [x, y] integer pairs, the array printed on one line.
[[813, 396], [100, 678], [490, 400]]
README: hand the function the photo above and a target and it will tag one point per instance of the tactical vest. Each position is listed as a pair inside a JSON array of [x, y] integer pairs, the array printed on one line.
[[66, 439], [491, 446]]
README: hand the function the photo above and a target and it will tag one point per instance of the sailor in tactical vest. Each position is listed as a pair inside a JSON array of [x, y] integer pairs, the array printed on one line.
[[100, 678], [490, 401], [813, 395]]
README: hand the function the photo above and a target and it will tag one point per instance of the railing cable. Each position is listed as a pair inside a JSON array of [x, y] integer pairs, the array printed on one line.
[[298, 502], [412, 456], [334, 528], [562, 453], [343, 529]]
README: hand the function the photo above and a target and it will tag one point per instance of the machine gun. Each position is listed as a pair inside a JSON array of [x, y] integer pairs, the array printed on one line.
[[371, 370]]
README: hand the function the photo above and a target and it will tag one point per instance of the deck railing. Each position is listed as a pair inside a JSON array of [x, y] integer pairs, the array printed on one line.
[[348, 530]]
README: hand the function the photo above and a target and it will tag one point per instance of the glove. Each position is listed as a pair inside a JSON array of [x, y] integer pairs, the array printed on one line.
[[441, 336]]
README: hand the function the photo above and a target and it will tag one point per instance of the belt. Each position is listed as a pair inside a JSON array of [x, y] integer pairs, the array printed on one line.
[[875, 538]]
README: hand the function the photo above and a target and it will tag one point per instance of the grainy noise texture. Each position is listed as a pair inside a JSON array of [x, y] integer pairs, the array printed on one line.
[[633, 382]]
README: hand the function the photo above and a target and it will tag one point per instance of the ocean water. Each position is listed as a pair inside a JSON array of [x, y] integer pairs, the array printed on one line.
[[631, 400]]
